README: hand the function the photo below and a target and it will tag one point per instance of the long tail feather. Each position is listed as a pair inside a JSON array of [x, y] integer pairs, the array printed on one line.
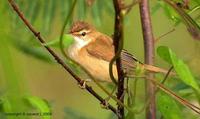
[[129, 64]]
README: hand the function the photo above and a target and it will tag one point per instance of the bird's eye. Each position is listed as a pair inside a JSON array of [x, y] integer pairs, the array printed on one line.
[[83, 33]]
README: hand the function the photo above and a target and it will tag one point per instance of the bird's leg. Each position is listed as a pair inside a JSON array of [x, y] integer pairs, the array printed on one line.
[[83, 83]]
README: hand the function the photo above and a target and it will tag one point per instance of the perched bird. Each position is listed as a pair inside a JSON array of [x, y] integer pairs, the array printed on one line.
[[94, 50]]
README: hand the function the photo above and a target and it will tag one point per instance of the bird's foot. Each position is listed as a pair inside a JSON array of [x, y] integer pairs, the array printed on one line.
[[104, 104], [82, 84]]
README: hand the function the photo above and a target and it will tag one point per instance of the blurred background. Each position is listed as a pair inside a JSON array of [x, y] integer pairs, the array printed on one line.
[[27, 69]]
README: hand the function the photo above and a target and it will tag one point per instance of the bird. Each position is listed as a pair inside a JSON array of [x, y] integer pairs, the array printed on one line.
[[94, 50]]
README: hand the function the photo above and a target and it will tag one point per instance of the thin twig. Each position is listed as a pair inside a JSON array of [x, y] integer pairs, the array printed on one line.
[[163, 35], [167, 75], [118, 43], [149, 54], [56, 57], [130, 6]]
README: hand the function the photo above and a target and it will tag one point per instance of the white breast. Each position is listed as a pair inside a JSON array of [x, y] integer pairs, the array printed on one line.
[[76, 46]]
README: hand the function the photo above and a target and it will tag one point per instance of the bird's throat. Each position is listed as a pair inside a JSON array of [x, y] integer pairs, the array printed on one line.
[[78, 44]]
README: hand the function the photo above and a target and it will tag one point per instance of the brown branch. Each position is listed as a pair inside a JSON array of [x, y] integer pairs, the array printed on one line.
[[56, 57], [118, 43], [149, 54]]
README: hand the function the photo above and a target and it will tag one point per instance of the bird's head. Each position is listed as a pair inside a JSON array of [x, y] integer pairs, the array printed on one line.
[[83, 33]]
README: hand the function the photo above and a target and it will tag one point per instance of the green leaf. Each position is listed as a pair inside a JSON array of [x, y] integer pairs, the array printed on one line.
[[81, 12], [46, 15], [52, 9], [197, 1], [29, 10], [41, 105], [170, 13], [36, 52], [168, 107], [163, 52], [155, 8], [180, 67], [2, 115], [96, 12], [36, 11], [185, 74], [108, 7], [73, 114], [112, 116], [6, 105], [181, 87], [65, 8], [67, 41], [192, 26], [130, 115]]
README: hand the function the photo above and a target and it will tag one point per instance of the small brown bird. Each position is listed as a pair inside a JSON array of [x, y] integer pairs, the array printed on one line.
[[94, 50]]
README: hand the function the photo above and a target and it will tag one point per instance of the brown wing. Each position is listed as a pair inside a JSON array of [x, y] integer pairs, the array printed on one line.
[[101, 48]]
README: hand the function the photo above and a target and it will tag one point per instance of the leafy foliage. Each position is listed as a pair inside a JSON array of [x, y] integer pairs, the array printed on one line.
[[67, 41], [180, 67], [176, 12], [43, 14], [168, 107], [41, 105], [73, 114], [173, 15]]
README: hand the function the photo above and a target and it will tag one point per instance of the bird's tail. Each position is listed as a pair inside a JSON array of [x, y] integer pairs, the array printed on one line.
[[155, 69], [129, 63]]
